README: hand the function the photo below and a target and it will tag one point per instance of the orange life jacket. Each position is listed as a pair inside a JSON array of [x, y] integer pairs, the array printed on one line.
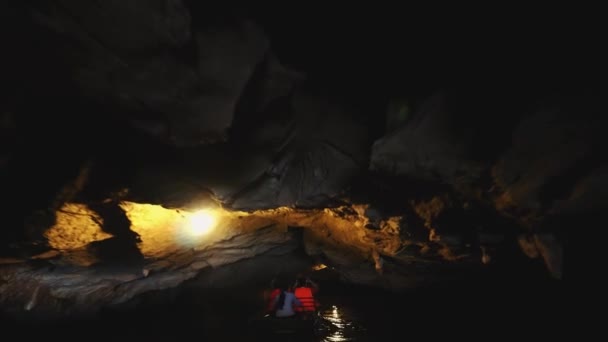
[[305, 296]]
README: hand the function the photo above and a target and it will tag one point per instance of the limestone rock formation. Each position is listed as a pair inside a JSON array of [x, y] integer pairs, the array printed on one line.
[[124, 120]]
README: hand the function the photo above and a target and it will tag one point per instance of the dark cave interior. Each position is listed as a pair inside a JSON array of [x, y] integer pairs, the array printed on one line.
[[427, 158]]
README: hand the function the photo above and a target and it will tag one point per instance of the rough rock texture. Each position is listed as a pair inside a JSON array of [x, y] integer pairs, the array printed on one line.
[[554, 154], [315, 164], [116, 108], [173, 83], [544, 172], [195, 86], [89, 269], [289, 158], [79, 279], [385, 257], [428, 146]]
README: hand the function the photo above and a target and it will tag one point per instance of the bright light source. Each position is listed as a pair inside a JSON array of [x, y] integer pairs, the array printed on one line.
[[319, 267], [201, 223]]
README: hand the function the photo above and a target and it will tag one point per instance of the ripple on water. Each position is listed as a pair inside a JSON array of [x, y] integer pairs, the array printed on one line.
[[339, 326]]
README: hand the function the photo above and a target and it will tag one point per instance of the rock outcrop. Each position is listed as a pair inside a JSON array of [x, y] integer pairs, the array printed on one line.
[[543, 172], [125, 118]]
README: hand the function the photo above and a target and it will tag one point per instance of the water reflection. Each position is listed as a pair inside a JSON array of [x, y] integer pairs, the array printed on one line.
[[337, 326]]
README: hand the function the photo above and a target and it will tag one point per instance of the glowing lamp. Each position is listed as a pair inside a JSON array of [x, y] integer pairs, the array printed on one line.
[[201, 223]]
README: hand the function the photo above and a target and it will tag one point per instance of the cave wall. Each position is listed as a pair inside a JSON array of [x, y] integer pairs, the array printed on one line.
[[167, 105], [539, 173]]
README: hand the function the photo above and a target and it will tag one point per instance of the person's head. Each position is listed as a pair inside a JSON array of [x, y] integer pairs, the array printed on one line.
[[281, 283]]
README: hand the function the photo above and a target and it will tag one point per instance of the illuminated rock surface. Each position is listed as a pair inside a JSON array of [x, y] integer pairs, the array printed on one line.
[[127, 122]]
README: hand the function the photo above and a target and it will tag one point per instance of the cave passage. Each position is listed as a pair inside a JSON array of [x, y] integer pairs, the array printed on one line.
[[161, 161]]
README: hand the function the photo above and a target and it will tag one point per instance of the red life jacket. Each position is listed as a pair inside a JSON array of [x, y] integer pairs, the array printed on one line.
[[275, 293], [305, 296]]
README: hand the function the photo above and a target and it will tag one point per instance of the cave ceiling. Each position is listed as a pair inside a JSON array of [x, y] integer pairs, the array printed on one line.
[[125, 120]]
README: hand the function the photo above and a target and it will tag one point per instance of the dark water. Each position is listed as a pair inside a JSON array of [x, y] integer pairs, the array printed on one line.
[[506, 307]]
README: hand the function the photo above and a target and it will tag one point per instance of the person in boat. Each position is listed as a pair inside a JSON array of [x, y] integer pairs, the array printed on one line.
[[305, 290], [271, 294], [285, 302]]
